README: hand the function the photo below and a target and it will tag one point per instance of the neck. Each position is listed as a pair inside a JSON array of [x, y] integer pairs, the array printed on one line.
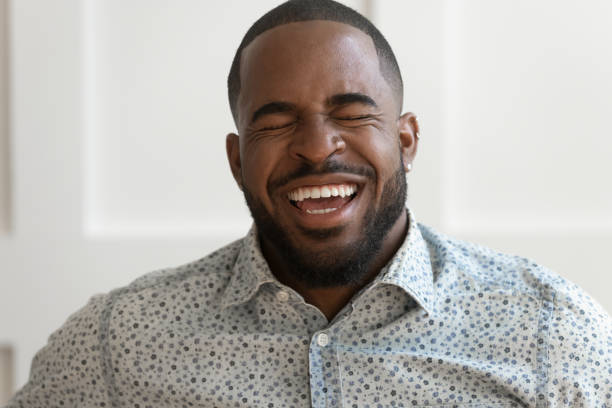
[[330, 300]]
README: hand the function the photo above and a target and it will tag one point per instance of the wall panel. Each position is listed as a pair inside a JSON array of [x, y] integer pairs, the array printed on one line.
[[5, 162], [415, 30], [158, 116], [529, 113], [156, 153], [514, 105], [527, 116], [6, 373]]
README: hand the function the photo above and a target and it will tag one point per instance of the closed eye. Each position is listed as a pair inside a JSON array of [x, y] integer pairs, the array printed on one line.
[[358, 117], [268, 128]]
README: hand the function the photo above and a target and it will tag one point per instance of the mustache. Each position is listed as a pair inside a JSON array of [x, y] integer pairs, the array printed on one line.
[[327, 167]]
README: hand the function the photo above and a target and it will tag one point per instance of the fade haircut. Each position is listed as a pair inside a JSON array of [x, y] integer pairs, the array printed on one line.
[[306, 10]]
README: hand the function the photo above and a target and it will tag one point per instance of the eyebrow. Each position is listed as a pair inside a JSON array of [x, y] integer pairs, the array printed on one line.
[[335, 100], [270, 108], [353, 97]]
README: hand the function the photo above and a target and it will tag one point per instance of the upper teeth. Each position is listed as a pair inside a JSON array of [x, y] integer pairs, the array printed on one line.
[[328, 190]]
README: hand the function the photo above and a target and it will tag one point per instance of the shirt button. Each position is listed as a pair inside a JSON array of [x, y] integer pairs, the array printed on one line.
[[282, 296], [323, 339]]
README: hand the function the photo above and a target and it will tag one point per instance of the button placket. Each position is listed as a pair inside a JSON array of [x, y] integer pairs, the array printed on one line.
[[325, 372]]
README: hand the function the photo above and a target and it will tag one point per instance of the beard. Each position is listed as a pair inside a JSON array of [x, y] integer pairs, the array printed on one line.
[[336, 265]]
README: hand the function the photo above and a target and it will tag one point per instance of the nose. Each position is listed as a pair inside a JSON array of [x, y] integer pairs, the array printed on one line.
[[315, 140]]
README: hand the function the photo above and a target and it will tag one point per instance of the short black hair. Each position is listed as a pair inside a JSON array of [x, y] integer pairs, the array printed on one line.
[[306, 10]]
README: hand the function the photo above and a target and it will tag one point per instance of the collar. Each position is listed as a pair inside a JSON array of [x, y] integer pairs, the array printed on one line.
[[410, 269], [249, 272]]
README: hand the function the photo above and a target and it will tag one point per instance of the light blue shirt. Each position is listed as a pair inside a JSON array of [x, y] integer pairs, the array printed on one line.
[[445, 324]]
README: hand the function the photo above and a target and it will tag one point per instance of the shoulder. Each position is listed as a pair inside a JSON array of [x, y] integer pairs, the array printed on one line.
[[207, 277], [69, 365], [214, 266], [466, 268], [487, 269], [75, 362], [571, 331]]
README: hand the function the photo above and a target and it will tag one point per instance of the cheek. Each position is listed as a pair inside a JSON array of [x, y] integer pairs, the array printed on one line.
[[259, 161], [382, 152]]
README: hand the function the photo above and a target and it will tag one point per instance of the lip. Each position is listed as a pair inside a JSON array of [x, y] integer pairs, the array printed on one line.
[[320, 180], [329, 220], [341, 216]]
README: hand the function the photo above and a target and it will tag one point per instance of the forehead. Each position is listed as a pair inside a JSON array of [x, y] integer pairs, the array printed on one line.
[[308, 61]]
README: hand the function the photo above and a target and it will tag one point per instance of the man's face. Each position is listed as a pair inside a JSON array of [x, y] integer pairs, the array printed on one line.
[[319, 156]]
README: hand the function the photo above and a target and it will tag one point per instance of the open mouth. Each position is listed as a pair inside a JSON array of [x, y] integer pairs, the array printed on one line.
[[325, 199]]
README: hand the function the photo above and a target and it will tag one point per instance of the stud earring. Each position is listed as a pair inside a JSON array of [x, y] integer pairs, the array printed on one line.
[[418, 127], [409, 167]]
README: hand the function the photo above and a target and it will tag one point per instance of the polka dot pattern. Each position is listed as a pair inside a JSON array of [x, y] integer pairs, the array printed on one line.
[[445, 324]]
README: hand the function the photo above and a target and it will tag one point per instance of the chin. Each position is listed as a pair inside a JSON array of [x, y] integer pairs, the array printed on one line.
[[319, 256]]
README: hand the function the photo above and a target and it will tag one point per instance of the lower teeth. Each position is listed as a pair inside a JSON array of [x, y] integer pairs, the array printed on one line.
[[324, 211]]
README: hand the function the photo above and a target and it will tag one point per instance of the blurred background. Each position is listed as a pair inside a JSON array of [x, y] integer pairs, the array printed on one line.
[[113, 116]]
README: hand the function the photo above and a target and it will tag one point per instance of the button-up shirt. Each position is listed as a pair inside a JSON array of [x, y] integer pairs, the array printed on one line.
[[445, 324]]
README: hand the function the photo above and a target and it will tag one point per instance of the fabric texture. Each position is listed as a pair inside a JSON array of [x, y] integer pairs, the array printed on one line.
[[445, 324]]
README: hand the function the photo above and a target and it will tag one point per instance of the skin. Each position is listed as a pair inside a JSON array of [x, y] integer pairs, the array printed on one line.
[[303, 66]]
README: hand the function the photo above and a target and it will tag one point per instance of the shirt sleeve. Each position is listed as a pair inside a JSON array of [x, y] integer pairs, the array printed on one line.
[[69, 370], [580, 353]]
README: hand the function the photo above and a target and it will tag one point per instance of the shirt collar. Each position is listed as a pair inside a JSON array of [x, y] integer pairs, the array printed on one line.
[[410, 269], [250, 271]]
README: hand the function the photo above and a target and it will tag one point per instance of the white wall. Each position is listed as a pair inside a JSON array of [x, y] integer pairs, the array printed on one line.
[[514, 102], [118, 112], [4, 124], [523, 146]]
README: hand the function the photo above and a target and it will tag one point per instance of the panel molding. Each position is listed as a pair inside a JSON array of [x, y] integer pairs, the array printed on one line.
[[511, 223], [5, 185], [461, 211], [7, 373]]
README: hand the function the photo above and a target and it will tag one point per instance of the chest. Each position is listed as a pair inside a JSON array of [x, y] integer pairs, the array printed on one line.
[[403, 360]]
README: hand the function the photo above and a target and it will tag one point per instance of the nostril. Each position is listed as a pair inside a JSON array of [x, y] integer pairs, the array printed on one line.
[[316, 145]]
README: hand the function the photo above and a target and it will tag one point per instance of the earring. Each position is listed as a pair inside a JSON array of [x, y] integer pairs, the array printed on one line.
[[409, 167]]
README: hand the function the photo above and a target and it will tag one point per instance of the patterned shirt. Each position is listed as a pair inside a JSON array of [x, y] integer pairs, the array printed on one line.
[[445, 324]]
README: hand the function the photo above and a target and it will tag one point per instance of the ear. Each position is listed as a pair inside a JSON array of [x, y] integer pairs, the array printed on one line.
[[232, 146], [409, 138]]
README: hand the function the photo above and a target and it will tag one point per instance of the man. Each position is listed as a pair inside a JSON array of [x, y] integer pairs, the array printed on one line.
[[336, 297]]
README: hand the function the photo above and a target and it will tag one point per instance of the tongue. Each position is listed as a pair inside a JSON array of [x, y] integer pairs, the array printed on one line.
[[322, 203]]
